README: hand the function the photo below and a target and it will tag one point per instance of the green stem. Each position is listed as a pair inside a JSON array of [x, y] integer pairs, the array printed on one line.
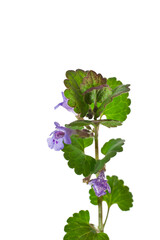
[[100, 209], [96, 142], [106, 217]]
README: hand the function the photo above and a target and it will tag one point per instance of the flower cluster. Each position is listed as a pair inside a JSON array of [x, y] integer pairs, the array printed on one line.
[[62, 134], [100, 185]]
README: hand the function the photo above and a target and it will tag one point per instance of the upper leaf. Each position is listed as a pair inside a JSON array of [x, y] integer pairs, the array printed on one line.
[[119, 195], [79, 124], [118, 109], [109, 149], [110, 123], [116, 106], [92, 81], [94, 88], [117, 91], [74, 153], [73, 92], [78, 227]]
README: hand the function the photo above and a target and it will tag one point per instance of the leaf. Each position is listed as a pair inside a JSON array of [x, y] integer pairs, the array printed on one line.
[[118, 107], [78, 124], [92, 81], [110, 123], [119, 195], [79, 228], [94, 88], [109, 149], [119, 90], [74, 153], [73, 92]]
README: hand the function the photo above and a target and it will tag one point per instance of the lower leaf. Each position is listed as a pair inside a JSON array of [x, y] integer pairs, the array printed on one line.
[[79, 228]]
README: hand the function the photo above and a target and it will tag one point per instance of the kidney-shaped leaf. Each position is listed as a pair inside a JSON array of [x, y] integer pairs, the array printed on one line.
[[79, 228]]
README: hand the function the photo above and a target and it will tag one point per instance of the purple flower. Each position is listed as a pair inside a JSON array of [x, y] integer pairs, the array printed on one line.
[[100, 185], [65, 104], [62, 134]]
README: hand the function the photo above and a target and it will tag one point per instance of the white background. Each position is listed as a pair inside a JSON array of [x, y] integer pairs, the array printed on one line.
[[39, 42]]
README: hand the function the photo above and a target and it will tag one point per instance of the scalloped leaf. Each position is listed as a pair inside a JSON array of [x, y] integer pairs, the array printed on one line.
[[92, 81], [118, 91], [78, 124], [74, 153], [79, 228], [119, 195], [73, 92], [109, 149], [118, 107]]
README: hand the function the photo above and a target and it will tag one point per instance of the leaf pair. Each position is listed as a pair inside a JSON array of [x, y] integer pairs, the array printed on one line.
[[87, 165], [83, 123], [88, 91]]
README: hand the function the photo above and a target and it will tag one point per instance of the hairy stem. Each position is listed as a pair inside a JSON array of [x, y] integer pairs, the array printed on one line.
[[100, 210]]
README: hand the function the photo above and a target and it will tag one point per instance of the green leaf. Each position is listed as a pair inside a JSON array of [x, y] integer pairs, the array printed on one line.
[[94, 88], [74, 153], [110, 123], [73, 92], [119, 195], [78, 124], [118, 91], [109, 149], [79, 228], [92, 81], [113, 82], [116, 107]]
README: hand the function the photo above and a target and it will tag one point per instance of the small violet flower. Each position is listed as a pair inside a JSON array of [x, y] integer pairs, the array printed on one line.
[[100, 185], [62, 134], [65, 104]]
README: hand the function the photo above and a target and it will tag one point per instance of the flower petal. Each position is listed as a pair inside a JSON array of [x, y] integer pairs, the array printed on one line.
[[60, 104], [58, 144], [50, 143]]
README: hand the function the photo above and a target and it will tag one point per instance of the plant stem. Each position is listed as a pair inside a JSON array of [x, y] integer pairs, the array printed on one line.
[[106, 217], [96, 142], [100, 209]]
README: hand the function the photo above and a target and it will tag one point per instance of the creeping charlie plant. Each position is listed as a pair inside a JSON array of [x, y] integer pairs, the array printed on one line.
[[95, 101]]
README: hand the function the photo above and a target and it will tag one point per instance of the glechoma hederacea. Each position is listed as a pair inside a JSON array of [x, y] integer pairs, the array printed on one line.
[[95, 101]]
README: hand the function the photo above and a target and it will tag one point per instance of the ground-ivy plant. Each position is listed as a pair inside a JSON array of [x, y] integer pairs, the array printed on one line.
[[95, 101]]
